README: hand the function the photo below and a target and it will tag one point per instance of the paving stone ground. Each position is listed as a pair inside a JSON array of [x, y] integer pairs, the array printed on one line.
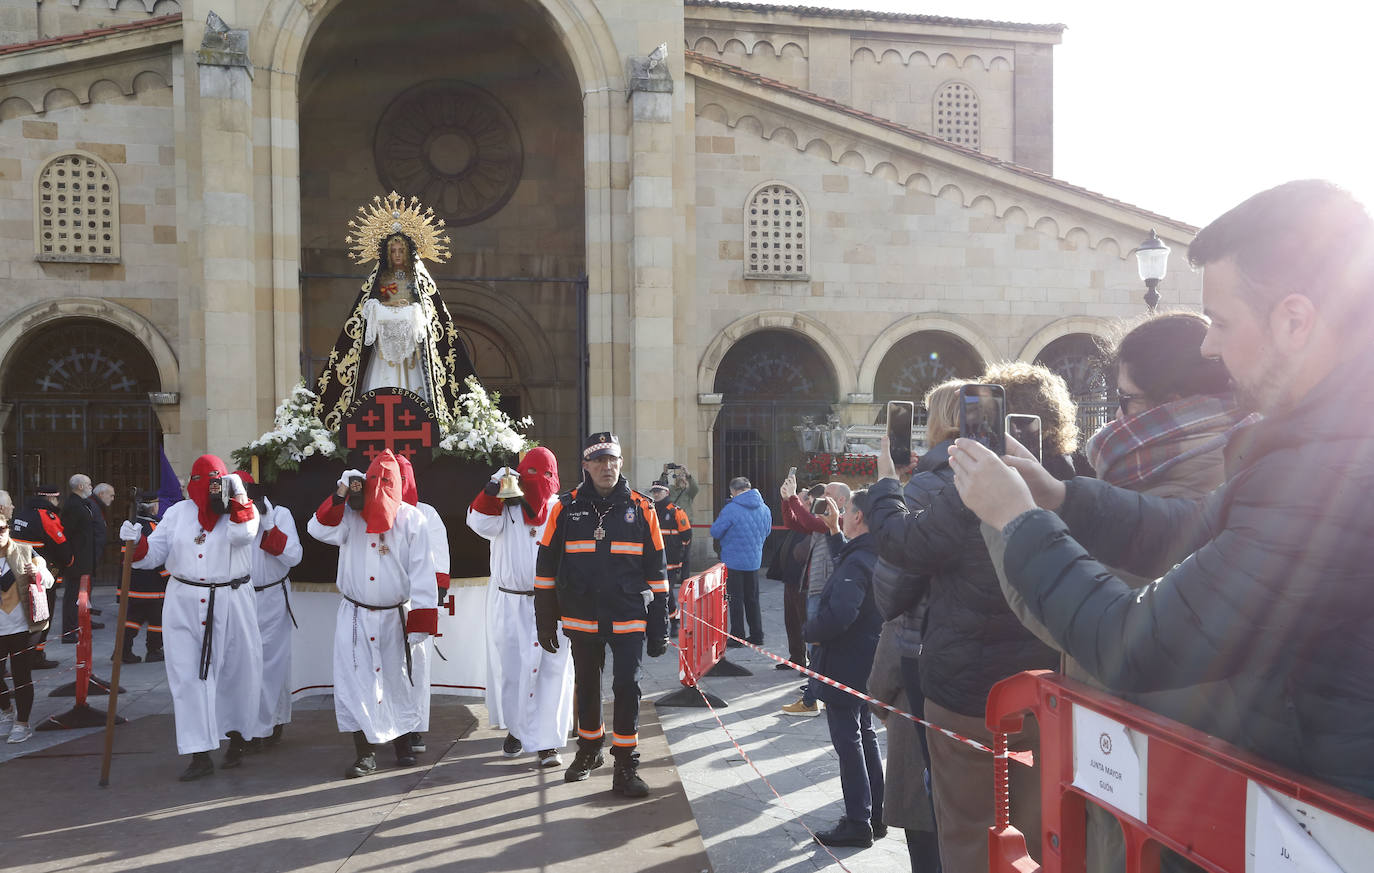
[[513, 811]]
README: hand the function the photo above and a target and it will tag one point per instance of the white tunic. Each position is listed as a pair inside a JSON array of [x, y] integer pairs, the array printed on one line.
[[438, 551], [274, 622], [372, 690], [529, 691], [228, 698]]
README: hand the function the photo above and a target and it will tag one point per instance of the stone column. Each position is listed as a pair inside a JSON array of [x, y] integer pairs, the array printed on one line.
[[225, 124], [653, 225]]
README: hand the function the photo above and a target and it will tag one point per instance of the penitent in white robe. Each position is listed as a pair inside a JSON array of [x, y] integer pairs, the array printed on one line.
[[421, 654], [372, 690], [274, 621], [228, 698], [529, 691]]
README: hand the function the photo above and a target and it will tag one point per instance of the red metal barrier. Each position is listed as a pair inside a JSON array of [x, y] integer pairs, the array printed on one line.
[[81, 715], [700, 640], [1167, 785]]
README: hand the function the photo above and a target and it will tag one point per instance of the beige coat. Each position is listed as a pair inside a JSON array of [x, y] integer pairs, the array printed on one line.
[[905, 802], [19, 555]]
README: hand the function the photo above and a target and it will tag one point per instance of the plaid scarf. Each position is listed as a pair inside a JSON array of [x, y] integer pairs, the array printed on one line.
[[1131, 452]]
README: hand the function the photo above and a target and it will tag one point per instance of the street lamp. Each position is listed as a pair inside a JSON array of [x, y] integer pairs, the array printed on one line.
[[1152, 259]]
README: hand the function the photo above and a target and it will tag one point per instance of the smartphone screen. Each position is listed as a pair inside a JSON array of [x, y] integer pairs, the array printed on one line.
[[982, 416], [1025, 429], [791, 472], [899, 415]]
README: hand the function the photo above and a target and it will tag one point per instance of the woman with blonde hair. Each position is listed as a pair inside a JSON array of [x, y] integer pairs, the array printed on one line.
[[20, 628]]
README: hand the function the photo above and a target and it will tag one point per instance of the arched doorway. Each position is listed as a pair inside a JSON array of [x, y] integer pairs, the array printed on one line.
[[478, 112], [770, 382], [919, 362], [79, 389], [1080, 359]]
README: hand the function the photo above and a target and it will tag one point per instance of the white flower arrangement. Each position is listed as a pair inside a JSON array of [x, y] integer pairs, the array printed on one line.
[[297, 434], [481, 431]]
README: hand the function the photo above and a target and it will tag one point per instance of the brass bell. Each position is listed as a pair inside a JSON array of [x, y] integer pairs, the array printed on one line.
[[510, 487]]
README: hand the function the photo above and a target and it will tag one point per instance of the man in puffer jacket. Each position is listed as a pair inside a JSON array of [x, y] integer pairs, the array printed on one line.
[[741, 527]]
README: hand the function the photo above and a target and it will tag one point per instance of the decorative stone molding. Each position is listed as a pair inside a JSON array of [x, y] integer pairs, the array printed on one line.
[[985, 59], [829, 346], [921, 323], [454, 146], [650, 73], [76, 210], [44, 90], [775, 44], [776, 233]]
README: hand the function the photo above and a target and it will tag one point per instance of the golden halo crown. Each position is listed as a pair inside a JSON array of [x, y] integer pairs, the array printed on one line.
[[392, 215]]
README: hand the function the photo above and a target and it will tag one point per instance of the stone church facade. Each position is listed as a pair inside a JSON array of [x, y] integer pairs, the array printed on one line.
[[696, 224]]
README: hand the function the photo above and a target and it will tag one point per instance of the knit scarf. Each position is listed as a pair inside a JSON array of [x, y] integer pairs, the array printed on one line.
[[1132, 452]]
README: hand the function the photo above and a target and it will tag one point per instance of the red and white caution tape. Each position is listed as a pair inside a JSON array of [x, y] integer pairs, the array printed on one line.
[[1026, 757]]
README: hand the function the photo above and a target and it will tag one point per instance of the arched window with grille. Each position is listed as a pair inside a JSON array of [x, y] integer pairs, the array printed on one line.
[[76, 210], [775, 236], [957, 115]]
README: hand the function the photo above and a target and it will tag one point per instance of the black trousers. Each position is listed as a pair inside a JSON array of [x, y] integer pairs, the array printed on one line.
[[794, 619], [70, 592], [589, 659], [13, 646], [144, 610], [742, 586], [674, 582]]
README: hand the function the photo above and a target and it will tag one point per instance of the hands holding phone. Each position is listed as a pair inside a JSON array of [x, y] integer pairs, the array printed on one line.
[[997, 490]]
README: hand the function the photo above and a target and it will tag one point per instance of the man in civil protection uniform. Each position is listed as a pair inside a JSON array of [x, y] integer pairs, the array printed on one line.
[[388, 611], [276, 550], [210, 616], [600, 569], [147, 591], [677, 542]]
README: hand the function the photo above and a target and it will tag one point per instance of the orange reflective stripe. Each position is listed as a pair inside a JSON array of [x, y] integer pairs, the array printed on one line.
[[674, 566], [658, 586], [580, 546], [592, 735], [552, 524], [629, 627], [132, 624], [579, 624], [624, 739], [627, 548], [544, 582], [655, 535]]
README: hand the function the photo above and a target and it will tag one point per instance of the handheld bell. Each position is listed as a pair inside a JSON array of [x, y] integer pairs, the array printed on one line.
[[510, 487]]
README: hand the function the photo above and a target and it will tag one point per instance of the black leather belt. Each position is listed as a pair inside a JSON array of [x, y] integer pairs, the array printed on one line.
[[401, 612], [513, 591], [286, 594], [207, 636]]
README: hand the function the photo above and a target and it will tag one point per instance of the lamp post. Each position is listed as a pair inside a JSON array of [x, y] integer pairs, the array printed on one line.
[[1152, 260]]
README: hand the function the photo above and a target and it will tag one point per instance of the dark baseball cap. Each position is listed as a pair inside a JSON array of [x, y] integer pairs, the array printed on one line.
[[600, 444]]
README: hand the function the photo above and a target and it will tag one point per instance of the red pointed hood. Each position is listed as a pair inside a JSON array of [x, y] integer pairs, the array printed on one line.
[[206, 469], [408, 491], [383, 493], [539, 480]]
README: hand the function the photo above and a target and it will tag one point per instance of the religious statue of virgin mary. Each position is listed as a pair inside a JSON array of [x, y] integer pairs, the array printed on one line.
[[399, 332]]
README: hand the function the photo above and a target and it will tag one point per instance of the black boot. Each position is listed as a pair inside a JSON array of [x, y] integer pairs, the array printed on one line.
[[587, 759], [366, 764], [847, 832], [417, 742], [200, 765], [253, 746], [512, 747], [154, 655], [128, 656], [275, 737], [234, 756], [625, 780], [404, 756]]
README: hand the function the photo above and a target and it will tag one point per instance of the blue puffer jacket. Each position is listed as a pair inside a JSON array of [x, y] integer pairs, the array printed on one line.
[[741, 527]]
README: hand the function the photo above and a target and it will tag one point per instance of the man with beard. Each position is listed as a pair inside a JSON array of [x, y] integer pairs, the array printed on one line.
[[600, 570], [147, 591], [529, 690], [1266, 581], [276, 550], [210, 616], [386, 576]]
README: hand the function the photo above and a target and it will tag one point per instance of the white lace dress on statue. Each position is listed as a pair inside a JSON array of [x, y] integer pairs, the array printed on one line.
[[395, 334]]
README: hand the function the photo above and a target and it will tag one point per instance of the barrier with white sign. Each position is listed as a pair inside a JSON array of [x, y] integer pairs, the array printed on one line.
[[1167, 785]]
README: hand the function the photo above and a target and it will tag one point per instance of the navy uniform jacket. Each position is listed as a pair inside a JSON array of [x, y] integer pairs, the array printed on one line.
[[595, 585]]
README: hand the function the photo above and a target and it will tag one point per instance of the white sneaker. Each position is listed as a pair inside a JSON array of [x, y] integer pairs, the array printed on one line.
[[20, 733]]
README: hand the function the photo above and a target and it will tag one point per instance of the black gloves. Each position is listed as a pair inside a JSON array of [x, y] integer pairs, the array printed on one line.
[[550, 643], [546, 618], [655, 646], [491, 489]]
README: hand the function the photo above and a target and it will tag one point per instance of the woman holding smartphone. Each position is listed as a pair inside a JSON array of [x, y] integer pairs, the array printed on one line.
[[972, 640]]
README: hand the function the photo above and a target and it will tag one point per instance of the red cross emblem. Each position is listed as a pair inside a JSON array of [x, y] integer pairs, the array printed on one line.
[[390, 418]]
